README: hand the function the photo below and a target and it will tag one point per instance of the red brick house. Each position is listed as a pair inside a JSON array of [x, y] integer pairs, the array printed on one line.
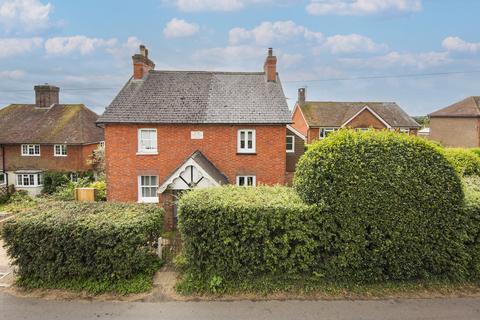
[[317, 119], [45, 136], [169, 131]]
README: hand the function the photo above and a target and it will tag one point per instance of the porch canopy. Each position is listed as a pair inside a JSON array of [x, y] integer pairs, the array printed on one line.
[[195, 172]]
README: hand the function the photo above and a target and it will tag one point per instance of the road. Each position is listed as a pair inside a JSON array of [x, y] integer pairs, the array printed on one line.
[[13, 308]]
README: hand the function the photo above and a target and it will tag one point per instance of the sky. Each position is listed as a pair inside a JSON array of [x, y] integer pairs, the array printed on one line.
[[422, 54]]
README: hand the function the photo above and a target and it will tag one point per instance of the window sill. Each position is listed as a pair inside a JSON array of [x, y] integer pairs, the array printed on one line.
[[39, 186], [147, 153], [246, 153], [61, 156], [30, 155], [291, 151], [153, 200]]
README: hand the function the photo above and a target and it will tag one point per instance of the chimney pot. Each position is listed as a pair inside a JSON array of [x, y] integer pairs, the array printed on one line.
[[141, 63], [46, 95], [301, 96]]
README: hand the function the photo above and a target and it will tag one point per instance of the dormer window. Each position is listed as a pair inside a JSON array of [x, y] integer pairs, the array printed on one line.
[[31, 150], [246, 141]]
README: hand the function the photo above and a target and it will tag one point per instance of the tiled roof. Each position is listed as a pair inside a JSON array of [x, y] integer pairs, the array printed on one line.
[[335, 114], [199, 97], [469, 107], [61, 123]]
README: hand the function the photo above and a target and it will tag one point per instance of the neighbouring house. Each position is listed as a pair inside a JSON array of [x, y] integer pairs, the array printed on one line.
[[457, 125], [425, 132], [45, 136], [317, 119], [295, 149], [170, 131]]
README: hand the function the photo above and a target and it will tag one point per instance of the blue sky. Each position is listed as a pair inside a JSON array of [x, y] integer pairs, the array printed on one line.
[[85, 47]]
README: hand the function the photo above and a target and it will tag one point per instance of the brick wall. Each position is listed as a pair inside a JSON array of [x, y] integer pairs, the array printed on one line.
[[293, 157], [298, 122], [456, 132], [76, 159], [219, 145], [366, 120]]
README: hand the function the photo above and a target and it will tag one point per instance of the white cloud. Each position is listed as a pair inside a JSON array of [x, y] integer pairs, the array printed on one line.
[[269, 32], [13, 46], [81, 44], [177, 28], [28, 15], [12, 74], [222, 5], [290, 59], [460, 45], [352, 43], [124, 50], [362, 7], [395, 59]]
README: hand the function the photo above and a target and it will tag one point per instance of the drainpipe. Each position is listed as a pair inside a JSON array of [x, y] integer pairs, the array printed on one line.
[[3, 165]]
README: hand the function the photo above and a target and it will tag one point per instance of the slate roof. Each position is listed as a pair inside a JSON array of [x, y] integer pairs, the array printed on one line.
[[335, 114], [61, 123], [469, 107], [199, 97]]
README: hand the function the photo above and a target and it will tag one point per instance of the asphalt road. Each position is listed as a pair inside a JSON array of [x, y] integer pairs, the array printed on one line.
[[13, 308]]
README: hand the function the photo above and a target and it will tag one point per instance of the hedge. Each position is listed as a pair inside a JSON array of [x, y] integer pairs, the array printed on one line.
[[465, 161], [395, 204], [235, 232], [58, 241], [472, 222]]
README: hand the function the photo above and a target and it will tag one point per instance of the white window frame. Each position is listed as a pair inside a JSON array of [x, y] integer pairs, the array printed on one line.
[[3, 178], [26, 148], [404, 130], [322, 132], [362, 129], [144, 151], [141, 198], [34, 180], [246, 149], [292, 150], [62, 147], [245, 177]]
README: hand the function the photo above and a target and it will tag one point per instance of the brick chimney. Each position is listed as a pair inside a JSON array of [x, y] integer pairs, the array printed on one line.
[[141, 63], [301, 96], [46, 95], [270, 66]]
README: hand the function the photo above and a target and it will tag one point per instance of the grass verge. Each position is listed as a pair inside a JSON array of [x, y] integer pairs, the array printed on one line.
[[313, 287]]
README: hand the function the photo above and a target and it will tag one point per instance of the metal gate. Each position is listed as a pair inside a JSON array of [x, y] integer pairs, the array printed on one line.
[[169, 248]]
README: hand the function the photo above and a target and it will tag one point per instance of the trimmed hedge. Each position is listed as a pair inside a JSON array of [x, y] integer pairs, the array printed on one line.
[[235, 232], [395, 205], [59, 241], [465, 161]]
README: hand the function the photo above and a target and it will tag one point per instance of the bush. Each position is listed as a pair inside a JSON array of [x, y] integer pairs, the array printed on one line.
[[476, 151], [66, 241], [472, 223], [465, 162], [394, 206], [234, 232], [101, 190], [53, 180]]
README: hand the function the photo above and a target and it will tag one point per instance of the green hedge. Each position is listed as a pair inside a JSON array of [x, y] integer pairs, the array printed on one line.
[[472, 223], [236, 232], [465, 161], [58, 241], [395, 205]]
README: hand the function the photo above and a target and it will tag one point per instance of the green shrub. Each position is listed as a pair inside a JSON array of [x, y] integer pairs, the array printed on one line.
[[471, 187], [476, 151], [53, 180], [101, 190], [465, 162], [394, 206], [60, 241], [234, 232]]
